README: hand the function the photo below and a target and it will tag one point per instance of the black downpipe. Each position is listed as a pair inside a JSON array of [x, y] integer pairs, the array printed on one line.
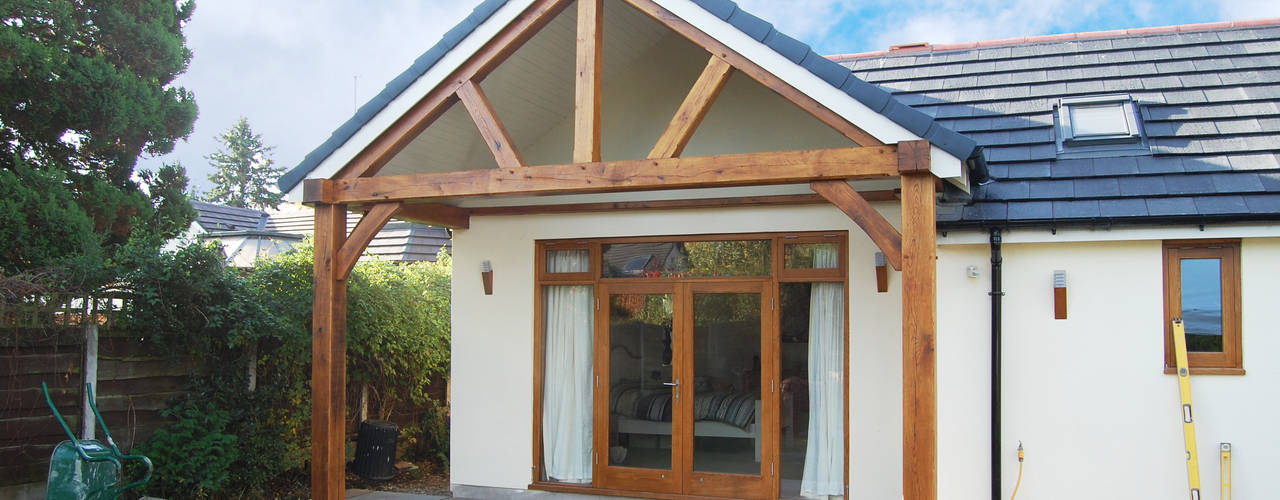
[[997, 293]]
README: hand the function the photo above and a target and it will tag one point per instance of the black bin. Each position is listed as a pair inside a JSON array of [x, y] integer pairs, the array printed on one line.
[[376, 450]]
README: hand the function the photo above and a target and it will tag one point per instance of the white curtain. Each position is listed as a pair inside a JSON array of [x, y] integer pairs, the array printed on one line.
[[566, 398], [824, 458]]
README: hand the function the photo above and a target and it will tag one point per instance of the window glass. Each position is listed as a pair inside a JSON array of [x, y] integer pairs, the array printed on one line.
[[689, 259], [1202, 304], [1098, 120], [568, 261], [810, 256]]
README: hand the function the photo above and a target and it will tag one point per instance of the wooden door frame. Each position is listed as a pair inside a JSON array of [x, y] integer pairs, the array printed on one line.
[[631, 478], [772, 284], [724, 484]]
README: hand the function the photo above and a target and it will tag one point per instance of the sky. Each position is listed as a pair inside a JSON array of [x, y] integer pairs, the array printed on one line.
[[297, 70]]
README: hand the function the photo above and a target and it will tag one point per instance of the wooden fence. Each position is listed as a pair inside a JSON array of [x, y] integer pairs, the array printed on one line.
[[63, 342]]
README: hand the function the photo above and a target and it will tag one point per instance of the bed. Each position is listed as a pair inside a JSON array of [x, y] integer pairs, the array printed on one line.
[[642, 411]]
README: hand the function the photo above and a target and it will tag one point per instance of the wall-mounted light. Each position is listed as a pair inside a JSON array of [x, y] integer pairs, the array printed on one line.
[[486, 275], [1059, 295], [882, 273]]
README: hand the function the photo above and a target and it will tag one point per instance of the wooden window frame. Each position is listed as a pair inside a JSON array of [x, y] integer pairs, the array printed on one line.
[[1231, 360], [593, 278]]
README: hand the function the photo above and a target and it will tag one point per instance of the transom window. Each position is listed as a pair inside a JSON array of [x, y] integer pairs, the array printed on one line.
[[1202, 286]]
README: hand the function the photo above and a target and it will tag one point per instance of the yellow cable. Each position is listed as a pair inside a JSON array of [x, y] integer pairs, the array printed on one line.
[[1019, 483]]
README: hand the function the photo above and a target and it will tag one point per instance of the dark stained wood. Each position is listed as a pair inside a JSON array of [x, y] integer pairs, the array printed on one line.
[[882, 279], [694, 108], [751, 69], [328, 357], [844, 197], [495, 135], [359, 239], [406, 128], [1059, 303], [436, 214], [588, 72], [913, 157], [787, 167], [919, 342], [738, 201]]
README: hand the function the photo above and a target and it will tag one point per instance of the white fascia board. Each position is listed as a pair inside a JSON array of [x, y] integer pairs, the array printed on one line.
[[943, 164], [414, 93], [1120, 233]]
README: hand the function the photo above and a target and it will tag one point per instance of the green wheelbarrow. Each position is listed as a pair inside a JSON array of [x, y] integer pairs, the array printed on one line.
[[88, 469]]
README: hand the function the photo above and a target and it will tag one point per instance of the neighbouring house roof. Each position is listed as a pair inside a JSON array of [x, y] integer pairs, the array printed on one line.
[[875, 98], [215, 218], [397, 241], [1209, 100]]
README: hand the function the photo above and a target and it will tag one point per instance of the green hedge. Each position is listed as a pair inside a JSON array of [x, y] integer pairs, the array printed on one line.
[[224, 319]]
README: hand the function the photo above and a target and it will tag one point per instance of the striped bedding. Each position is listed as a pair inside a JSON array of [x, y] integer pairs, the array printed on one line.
[[733, 408]]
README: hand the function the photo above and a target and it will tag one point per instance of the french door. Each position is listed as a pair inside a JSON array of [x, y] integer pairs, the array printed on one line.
[[686, 399]]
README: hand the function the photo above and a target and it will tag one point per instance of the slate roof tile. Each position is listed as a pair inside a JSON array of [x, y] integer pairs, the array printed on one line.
[[1053, 189], [1263, 203], [1029, 170], [1171, 206], [1072, 168], [1221, 205], [1123, 165], [1261, 161], [1237, 182], [1100, 187], [1123, 207], [1030, 210], [1270, 182], [991, 211], [1159, 165], [1189, 184], [1142, 186], [1206, 164], [1076, 209]]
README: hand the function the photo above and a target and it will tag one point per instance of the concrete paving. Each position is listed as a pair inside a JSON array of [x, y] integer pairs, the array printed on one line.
[[389, 495]]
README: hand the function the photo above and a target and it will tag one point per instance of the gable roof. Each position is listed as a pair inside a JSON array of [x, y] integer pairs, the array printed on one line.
[[1209, 97], [839, 77]]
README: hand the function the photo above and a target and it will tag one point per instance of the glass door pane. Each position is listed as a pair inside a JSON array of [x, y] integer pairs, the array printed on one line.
[[641, 396], [726, 383]]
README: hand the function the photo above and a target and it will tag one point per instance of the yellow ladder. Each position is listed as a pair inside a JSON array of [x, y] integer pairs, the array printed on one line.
[[1188, 422], [1225, 464]]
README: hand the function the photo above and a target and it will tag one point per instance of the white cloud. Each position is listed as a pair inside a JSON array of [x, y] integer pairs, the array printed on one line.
[[288, 67], [949, 21], [1237, 10], [802, 19]]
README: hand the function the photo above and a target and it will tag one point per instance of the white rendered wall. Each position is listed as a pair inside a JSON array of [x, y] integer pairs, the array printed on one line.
[[493, 336], [1087, 396]]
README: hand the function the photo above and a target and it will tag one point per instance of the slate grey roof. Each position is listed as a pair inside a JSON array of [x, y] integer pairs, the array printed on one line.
[[1209, 100], [880, 101], [397, 241], [215, 218]]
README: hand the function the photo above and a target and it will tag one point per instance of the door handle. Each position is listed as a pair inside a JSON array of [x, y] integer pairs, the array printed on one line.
[[676, 385]]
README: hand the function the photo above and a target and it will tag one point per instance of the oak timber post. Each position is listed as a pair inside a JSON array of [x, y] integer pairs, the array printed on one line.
[[919, 323], [328, 357]]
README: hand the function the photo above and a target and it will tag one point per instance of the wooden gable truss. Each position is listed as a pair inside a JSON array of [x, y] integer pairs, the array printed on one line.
[[416, 197]]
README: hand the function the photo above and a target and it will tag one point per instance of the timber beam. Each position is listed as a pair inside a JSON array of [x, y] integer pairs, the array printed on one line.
[[495, 135], [883, 234], [436, 214], [356, 243], [694, 108], [751, 169], [919, 337], [589, 69]]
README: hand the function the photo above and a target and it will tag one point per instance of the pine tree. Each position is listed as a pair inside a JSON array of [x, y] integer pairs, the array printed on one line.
[[245, 176], [85, 88]]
